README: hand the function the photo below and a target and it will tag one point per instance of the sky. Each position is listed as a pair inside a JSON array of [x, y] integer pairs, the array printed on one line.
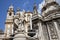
[[22, 4]]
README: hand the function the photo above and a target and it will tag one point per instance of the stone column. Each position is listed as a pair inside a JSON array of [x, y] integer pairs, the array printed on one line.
[[48, 32], [56, 26], [26, 29], [31, 22], [40, 34]]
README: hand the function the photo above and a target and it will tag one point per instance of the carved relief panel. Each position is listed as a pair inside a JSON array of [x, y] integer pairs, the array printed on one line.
[[52, 31]]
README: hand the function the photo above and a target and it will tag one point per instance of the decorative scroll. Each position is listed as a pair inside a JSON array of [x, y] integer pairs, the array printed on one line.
[[53, 32]]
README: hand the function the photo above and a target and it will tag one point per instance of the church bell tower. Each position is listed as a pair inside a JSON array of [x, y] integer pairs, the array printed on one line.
[[9, 24]]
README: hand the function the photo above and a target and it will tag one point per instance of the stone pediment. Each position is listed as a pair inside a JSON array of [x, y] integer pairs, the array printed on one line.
[[36, 16], [51, 16]]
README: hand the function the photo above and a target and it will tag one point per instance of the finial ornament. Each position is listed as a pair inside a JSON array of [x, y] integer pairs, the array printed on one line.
[[18, 9], [35, 9], [11, 6], [34, 6]]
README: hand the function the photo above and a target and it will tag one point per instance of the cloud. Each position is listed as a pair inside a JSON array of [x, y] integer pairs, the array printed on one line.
[[40, 6], [58, 1], [42, 3], [25, 3]]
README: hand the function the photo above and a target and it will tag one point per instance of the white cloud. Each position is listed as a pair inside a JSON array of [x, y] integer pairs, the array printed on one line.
[[58, 1], [42, 3], [25, 3], [40, 6]]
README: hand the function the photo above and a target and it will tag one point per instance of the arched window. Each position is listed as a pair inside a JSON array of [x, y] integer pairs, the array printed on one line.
[[9, 14]]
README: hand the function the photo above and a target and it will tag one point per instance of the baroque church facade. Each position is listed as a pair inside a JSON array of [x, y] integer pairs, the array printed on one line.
[[31, 25]]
